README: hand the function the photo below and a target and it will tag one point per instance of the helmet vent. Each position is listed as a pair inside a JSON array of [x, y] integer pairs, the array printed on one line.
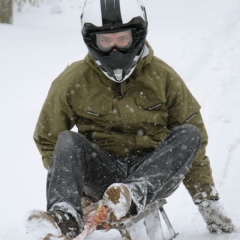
[[118, 74]]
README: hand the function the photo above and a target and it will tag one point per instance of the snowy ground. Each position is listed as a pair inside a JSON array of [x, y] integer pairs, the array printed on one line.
[[200, 39]]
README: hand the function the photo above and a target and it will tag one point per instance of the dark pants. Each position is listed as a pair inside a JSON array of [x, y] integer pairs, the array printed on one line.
[[79, 166]]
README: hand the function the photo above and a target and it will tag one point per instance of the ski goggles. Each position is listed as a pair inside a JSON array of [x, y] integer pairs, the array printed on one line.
[[121, 40]]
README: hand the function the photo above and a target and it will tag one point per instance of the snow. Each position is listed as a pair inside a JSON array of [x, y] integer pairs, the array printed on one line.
[[46, 226], [199, 39]]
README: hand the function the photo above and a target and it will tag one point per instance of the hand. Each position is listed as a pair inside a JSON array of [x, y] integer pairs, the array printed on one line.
[[215, 217]]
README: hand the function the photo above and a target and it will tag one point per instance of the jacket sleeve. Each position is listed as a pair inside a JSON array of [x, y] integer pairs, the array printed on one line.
[[56, 116], [183, 108]]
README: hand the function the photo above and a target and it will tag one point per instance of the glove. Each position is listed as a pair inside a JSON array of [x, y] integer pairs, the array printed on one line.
[[215, 217], [117, 144]]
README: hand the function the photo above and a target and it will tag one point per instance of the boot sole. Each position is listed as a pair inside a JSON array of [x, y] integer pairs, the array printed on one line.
[[118, 200]]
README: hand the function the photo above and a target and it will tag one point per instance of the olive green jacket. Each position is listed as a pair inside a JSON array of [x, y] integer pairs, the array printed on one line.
[[124, 118]]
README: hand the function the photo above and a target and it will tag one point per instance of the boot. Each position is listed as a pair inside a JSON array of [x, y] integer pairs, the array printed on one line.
[[117, 198], [56, 224]]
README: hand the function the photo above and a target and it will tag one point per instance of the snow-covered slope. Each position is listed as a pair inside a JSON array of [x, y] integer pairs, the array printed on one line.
[[200, 39]]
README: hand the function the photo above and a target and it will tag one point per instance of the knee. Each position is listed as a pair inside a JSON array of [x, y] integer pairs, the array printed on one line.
[[191, 130], [190, 133], [66, 138], [66, 135]]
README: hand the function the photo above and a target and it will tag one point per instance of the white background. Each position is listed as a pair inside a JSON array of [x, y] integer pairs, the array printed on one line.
[[199, 39]]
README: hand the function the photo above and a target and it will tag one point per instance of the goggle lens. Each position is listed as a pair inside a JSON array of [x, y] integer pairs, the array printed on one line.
[[121, 40]]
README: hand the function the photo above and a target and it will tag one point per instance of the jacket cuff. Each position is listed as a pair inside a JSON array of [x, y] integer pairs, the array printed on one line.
[[206, 192]]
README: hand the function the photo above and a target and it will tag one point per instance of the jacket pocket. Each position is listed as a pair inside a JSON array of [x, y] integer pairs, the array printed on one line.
[[155, 112], [98, 108]]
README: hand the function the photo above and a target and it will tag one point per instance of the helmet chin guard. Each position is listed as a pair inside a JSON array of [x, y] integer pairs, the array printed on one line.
[[117, 66], [112, 17]]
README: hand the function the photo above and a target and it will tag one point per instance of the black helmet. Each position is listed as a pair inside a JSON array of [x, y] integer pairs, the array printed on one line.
[[115, 19]]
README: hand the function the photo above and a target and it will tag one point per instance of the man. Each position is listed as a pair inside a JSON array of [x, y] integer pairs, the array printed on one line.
[[139, 128]]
